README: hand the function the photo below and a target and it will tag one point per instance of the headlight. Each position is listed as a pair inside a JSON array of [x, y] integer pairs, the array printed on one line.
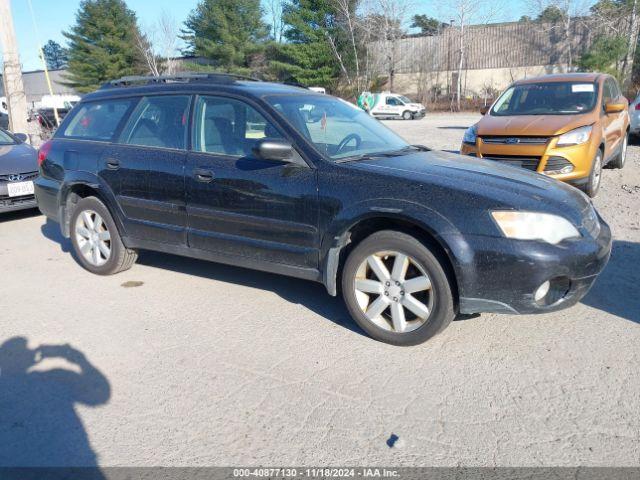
[[534, 226], [575, 137], [470, 134]]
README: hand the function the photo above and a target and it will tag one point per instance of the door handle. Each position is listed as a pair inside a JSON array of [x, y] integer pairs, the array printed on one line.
[[113, 163], [203, 175]]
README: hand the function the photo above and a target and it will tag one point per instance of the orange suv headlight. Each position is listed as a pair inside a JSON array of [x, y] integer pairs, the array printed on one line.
[[575, 137]]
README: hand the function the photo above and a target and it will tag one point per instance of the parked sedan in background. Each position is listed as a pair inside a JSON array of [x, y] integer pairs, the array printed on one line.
[[18, 169]]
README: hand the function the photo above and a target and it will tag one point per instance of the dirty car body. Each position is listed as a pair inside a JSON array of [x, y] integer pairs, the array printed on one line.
[[305, 215]]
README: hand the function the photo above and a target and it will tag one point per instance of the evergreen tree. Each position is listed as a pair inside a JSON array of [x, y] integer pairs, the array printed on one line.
[[227, 31], [102, 44], [427, 25], [307, 57], [54, 55]]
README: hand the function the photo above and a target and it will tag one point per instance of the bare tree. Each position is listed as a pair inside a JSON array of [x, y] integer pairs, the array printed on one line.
[[391, 18], [274, 12], [158, 45], [570, 12], [464, 13]]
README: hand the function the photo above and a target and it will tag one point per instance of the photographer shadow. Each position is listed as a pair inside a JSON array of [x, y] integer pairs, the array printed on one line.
[[39, 425]]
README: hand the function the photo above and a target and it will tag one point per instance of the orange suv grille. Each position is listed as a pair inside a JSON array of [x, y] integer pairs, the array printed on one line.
[[502, 140]]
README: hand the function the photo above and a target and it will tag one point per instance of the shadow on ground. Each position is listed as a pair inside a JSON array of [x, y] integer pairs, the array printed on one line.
[[309, 294], [616, 289], [19, 215], [39, 426], [454, 127]]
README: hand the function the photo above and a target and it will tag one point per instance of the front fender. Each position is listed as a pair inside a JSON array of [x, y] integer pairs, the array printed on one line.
[[337, 234]]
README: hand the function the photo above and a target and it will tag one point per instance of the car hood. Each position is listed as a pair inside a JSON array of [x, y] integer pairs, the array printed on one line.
[[21, 158], [501, 186], [531, 125]]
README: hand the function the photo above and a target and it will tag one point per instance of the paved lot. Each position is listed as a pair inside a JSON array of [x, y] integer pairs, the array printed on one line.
[[180, 362]]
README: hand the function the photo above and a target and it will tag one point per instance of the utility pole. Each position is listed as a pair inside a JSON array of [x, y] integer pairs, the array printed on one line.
[[14, 88]]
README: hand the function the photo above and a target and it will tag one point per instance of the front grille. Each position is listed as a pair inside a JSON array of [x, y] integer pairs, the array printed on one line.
[[556, 163], [24, 177], [6, 201], [502, 140], [530, 163]]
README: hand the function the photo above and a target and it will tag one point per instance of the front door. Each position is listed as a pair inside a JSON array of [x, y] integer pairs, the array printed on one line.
[[613, 122], [242, 206], [149, 159]]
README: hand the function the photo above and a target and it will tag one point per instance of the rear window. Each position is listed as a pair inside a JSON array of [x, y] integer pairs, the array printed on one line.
[[97, 120]]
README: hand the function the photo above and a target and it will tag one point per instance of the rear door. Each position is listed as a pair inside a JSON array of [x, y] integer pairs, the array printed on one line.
[[149, 159], [613, 122], [240, 205]]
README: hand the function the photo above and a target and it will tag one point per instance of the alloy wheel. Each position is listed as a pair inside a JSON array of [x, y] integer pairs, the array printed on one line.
[[93, 238], [394, 292]]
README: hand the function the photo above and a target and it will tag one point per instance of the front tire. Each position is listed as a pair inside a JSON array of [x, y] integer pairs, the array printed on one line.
[[407, 115], [592, 186], [396, 289], [96, 240]]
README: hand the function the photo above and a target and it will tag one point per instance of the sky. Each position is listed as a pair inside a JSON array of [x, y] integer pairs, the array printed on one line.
[[55, 16]]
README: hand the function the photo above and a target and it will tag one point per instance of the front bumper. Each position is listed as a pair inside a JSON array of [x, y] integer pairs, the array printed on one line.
[[501, 275], [540, 157], [17, 203]]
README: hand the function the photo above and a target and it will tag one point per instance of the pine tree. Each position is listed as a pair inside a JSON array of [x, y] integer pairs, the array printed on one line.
[[54, 55], [102, 44], [307, 57], [226, 31]]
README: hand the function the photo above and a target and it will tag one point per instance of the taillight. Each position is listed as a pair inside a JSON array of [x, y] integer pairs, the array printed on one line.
[[638, 106], [45, 148]]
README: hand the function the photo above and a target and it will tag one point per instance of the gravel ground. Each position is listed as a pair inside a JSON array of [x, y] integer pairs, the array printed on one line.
[[181, 362]]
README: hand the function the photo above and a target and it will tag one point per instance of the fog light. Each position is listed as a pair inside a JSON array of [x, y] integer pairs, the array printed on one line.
[[542, 291], [567, 169]]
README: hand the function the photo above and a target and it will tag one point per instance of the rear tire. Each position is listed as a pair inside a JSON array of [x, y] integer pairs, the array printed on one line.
[[592, 186], [96, 240], [620, 159], [396, 289]]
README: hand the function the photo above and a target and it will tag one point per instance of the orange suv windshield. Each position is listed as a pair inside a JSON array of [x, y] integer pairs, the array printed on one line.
[[547, 98]]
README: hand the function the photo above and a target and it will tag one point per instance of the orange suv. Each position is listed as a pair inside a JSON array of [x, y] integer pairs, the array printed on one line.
[[564, 126]]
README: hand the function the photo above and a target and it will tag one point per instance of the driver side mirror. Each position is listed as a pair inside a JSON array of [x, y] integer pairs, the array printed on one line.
[[484, 110], [614, 107], [22, 137], [276, 150]]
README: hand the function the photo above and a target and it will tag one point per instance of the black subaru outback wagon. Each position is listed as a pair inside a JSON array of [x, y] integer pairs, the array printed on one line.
[[278, 178]]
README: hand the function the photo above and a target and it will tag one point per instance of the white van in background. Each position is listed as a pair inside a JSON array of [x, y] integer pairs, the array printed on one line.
[[390, 105]]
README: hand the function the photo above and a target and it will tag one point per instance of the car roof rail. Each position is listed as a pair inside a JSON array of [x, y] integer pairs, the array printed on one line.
[[188, 77]]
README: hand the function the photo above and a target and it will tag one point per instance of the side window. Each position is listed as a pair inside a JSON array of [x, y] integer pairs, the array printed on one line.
[[159, 122], [97, 120], [394, 101], [607, 93], [229, 127]]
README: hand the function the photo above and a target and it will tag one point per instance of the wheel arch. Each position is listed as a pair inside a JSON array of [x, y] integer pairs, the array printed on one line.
[[76, 190], [362, 228]]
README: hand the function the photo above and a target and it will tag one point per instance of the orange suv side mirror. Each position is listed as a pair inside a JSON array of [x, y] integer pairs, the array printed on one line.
[[484, 110], [614, 107]]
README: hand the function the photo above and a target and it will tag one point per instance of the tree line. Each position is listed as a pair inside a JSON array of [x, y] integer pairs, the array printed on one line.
[[308, 42]]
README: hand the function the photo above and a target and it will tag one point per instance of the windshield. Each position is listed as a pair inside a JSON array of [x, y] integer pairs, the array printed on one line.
[[337, 128], [550, 98], [404, 99], [6, 139]]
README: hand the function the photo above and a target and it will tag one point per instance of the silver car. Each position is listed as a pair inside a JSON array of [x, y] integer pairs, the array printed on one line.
[[634, 117], [18, 170]]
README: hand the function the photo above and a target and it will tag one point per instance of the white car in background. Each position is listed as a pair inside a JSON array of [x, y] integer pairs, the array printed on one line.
[[390, 105]]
